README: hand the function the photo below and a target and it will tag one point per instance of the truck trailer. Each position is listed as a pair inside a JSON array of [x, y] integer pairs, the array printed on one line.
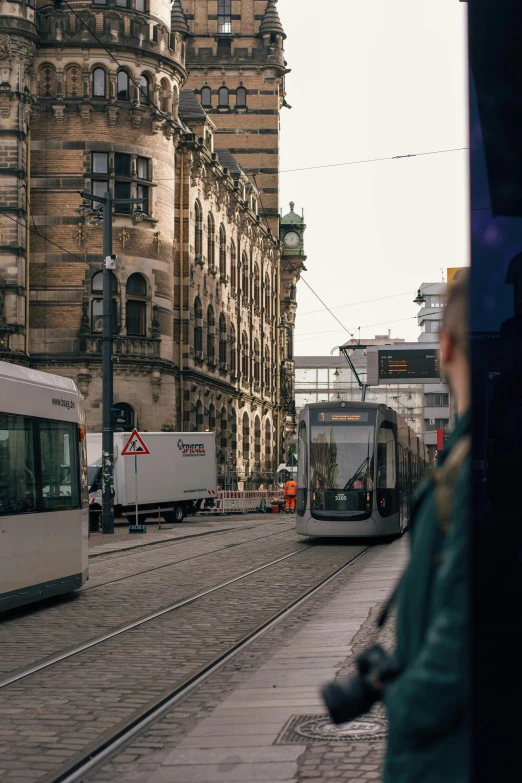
[[179, 477]]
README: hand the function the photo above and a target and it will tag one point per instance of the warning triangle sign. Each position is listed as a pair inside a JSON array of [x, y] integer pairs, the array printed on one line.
[[135, 446]]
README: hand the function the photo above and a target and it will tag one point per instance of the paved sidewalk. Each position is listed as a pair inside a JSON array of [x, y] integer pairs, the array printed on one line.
[[272, 726]]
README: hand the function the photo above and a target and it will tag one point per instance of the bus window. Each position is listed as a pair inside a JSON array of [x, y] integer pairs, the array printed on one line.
[[17, 465]]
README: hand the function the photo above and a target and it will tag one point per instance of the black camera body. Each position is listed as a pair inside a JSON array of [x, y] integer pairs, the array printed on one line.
[[354, 697]]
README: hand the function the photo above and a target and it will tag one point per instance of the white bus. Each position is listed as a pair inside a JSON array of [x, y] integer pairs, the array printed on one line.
[[43, 486]]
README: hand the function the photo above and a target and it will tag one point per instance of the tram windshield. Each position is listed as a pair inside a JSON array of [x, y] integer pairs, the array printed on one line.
[[341, 456]]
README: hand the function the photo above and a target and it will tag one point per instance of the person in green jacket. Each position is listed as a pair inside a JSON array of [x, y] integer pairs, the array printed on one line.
[[428, 704]]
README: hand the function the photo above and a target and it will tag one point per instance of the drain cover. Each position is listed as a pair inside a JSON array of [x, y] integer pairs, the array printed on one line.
[[303, 729]]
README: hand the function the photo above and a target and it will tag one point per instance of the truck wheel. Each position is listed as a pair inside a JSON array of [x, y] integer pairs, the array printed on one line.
[[178, 514]]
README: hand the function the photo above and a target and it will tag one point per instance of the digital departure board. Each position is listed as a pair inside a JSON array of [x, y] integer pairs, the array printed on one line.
[[415, 364], [341, 417]]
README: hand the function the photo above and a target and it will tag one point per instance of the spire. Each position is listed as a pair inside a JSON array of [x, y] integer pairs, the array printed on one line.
[[271, 22], [178, 21]]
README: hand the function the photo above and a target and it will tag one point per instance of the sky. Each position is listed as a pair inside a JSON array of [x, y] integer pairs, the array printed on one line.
[[374, 80]]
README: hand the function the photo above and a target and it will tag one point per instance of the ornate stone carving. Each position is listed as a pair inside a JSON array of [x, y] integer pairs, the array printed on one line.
[[85, 112], [80, 235], [112, 115], [59, 113], [124, 237], [135, 118], [6, 50], [84, 378], [5, 104], [155, 380]]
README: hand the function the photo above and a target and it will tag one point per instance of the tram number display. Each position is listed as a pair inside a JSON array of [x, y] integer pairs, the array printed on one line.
[[332, 417], [395, 365]]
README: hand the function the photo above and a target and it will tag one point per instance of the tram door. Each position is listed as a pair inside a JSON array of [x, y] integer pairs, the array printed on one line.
[[302, 470]]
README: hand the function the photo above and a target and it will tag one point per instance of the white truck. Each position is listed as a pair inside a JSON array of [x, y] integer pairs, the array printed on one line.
[[178, 477]]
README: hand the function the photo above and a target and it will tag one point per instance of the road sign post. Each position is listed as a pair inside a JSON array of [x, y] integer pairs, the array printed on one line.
[[136, 447]]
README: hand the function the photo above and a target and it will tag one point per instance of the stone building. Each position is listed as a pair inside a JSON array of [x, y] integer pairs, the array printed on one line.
[[101, 95]]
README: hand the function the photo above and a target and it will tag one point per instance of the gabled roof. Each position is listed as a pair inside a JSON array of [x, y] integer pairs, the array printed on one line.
[[189, 106], [178, 21], [271, 22]]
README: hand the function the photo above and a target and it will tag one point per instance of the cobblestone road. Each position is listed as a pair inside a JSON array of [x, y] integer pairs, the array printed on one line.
[[131, 585], [324, 762], [50, 716]]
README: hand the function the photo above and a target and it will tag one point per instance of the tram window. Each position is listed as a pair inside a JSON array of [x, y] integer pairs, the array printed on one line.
[[386, 458], [340, 456], [17, 465], [302, 462], [59, 454]]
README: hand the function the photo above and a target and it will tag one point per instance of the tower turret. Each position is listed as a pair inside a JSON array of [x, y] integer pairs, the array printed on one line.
[[178, 20]]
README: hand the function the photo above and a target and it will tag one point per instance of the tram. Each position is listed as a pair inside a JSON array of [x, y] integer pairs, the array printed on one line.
[[358, 466], [44, 526]]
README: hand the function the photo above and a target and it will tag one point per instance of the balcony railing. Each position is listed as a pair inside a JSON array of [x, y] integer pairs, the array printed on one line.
[[133, 347]]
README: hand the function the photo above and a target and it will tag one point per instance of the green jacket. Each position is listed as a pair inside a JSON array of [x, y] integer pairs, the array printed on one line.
[[428, 705]]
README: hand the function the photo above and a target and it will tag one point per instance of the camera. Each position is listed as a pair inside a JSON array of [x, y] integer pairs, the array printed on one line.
[[354, 697]]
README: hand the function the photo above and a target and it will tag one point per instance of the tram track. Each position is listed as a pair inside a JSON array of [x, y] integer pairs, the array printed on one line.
[[78, 768], [137, 623], [87, 588], [94, 697]]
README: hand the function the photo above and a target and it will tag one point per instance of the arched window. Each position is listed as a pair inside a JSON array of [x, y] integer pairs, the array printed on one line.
[[241, 98], [246, 436], [47, 75], [268, 370], [257, 439], [268, 300], [144, 90], [211, 242], [123, 86], [136, 305], [198, 220], [244, 357], [206, 97], [224, 98], [233, 350], [198, 328], [165, 96], [257, 287], [211, 335], [257, 362], [212, 418], [200, 416], [268, 442], [222, 251], [97, 303], [73, 81], [244, 270], [233, 431], [233, 266], [222, 340], [98, 83], [224, 434]]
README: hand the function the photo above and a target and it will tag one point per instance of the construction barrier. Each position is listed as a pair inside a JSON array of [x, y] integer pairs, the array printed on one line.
[[241, 502]]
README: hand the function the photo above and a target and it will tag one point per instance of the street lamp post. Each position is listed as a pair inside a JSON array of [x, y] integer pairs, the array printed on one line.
[[109, 263]]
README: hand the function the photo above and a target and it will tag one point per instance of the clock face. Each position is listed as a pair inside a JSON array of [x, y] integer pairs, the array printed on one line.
[[292, 239]]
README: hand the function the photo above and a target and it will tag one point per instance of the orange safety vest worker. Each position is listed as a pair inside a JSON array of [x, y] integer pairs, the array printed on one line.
[[290, 493]]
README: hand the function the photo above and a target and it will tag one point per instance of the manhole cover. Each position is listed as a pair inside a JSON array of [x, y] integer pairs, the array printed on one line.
[[302, 729]]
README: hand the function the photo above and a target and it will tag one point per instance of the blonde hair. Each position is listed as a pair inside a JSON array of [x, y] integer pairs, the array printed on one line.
[[456, 313]]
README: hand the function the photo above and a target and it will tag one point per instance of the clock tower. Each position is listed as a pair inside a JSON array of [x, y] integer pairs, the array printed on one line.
[[291, 234]]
